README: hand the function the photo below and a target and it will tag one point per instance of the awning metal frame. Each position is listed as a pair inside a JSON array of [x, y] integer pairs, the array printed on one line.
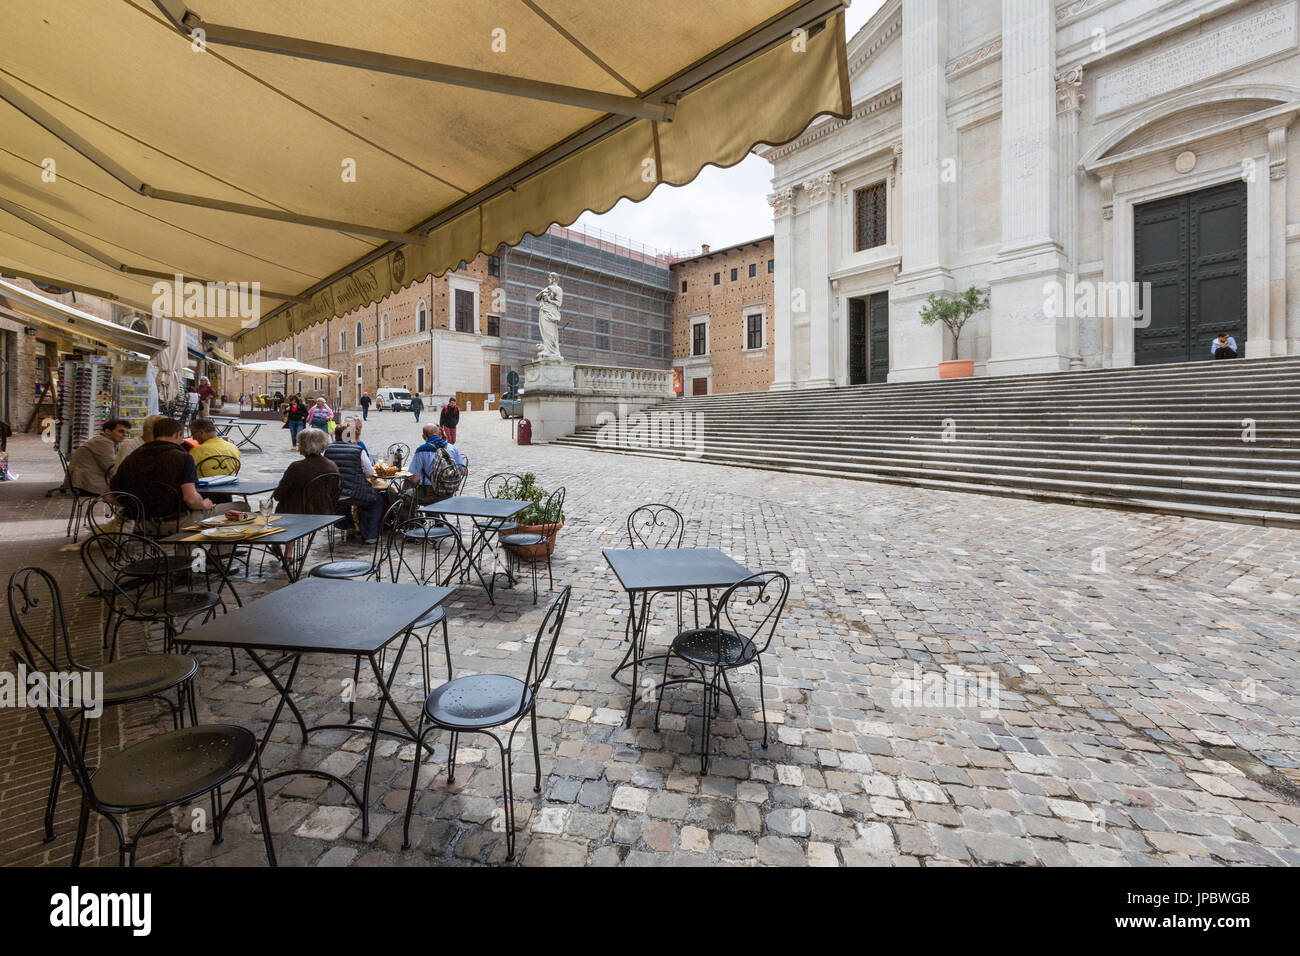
[[804, 15], [29, 306], [74, 141]]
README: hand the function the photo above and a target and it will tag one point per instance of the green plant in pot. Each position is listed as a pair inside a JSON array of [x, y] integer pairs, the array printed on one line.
[[536, 518], [954, 311]]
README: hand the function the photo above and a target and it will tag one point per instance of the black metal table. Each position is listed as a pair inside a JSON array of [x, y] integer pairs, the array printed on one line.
[[486, 515], [247, 429], [647, 571], [290, 530], [243, 488], [345, 618]]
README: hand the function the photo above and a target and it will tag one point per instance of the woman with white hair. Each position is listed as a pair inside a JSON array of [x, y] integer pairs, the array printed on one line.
[[291, 493]]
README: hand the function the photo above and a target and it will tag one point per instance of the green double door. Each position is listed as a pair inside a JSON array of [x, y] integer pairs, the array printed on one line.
[[869, 339], [1192, 250]]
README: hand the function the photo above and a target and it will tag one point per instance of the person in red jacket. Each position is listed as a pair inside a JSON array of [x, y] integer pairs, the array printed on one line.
[[206, 394], [449, 419]]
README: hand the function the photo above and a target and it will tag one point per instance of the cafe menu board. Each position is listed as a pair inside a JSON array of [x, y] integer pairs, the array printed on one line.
[[87, 400], [133, 394]]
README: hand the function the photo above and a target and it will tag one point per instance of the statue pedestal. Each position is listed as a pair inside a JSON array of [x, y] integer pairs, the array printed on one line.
[[560, 398], [550, 399]]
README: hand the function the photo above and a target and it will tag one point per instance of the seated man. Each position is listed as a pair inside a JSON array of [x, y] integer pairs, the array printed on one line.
[[355, 470], [292, 493], [210, 445], [1223, 347], [91, 465], [131, 444], [436, 466], [162, 475]]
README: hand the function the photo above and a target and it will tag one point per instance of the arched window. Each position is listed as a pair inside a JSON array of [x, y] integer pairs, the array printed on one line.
[[383, 326], [421, 317], [358, 335]]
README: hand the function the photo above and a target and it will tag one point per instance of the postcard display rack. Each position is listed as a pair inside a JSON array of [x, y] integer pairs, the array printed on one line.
[[87, 400], [132, 391]]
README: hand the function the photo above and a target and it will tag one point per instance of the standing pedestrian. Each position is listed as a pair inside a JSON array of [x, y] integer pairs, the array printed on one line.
[[206, 394], [295, 418], [365, 405], [449, 419], [417, 406]]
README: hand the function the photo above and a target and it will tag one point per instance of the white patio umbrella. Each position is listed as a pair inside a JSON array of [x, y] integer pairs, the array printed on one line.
[[288, 366]]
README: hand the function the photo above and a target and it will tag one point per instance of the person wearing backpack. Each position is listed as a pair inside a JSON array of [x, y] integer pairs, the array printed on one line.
[[449, 419], [435, 467]]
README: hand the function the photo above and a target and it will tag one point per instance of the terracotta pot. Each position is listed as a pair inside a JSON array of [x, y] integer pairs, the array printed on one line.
[[541, 550], [959, 368]]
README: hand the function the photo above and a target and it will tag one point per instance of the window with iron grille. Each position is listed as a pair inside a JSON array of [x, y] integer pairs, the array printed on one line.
[[699, 334], [733, 275], [717, 277], [869, 217], [754, 331], [494, 265], [753, 269], [494, 325], [464, 310]]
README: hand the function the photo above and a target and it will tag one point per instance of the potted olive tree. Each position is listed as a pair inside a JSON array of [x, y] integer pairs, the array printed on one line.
[[535, 519], [954, 311]]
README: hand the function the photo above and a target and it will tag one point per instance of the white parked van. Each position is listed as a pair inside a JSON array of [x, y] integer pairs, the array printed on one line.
[[394, 399]]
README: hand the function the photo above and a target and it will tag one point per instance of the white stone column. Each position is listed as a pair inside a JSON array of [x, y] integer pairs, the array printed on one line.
[[1024, 338], [1107, 186], [1277, 238], [916, 350], [1068, 100], [782, 202], [820, 190]]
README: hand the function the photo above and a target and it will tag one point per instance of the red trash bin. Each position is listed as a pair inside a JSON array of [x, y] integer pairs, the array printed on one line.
[[525, 432]]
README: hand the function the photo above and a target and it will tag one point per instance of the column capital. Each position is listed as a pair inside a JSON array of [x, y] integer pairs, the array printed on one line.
[[782, 202], [819, 188], [1068, 94]]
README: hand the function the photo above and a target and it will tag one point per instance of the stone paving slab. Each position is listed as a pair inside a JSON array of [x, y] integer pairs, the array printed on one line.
[[957, 680]]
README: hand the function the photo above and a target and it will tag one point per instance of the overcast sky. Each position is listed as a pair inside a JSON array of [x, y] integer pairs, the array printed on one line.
[[721, 206]]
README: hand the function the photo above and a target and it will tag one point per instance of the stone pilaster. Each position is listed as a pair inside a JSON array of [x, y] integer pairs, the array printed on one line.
[[782, 202], [820, 191], [1277, 216], [1069, 100]]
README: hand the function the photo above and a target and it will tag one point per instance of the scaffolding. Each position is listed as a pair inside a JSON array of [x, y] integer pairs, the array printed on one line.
[[617, 299]]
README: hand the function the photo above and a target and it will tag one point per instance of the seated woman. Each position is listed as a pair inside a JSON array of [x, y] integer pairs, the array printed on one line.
[[292, 494], [355, 470]]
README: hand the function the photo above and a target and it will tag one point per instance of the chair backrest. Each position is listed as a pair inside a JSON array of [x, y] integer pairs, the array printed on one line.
[[162, 502], [397, 446], [115, 505], [108, 559], [464, 478], [63, 461], [395, 528], [36, 610], [321, 495], [502, 479], [656, 526], [58, 724], [553, 509], [548, 636], [752, 607], [218, 465]]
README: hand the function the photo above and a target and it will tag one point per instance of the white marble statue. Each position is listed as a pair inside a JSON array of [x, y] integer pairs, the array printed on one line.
[[548, 320]]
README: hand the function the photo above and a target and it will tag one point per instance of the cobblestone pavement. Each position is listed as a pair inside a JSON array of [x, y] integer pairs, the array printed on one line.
[[1145, 708]]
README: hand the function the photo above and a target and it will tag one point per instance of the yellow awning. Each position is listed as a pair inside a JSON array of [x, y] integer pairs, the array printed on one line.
[[332, 151]]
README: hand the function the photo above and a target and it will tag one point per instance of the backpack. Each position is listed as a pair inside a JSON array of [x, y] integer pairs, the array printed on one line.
[[444, 477]]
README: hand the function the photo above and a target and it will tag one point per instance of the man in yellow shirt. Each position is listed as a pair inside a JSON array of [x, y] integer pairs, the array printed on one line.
[[211, 445]]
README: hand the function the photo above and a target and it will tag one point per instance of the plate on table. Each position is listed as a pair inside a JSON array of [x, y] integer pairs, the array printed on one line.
[[221, 521], [223, 533]]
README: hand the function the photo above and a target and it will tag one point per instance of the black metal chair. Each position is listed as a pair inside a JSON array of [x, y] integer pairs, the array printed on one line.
[[757, 601], [114, 561], [492, 486], [422, 534], [36, 604], [76, 514], [533, 546], [325, 491], [657, 525], [157, 774], [481, 702], [352, 568], [214, 465], [167, 512]]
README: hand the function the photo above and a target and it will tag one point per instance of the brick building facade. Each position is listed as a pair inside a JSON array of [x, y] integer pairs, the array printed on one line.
[[723, 320]]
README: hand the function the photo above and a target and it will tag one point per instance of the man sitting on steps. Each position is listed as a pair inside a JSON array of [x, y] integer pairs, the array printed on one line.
[[1223, 347]]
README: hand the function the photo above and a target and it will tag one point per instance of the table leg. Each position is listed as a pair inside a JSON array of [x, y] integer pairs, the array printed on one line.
[[386, 698], [638, 628]]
